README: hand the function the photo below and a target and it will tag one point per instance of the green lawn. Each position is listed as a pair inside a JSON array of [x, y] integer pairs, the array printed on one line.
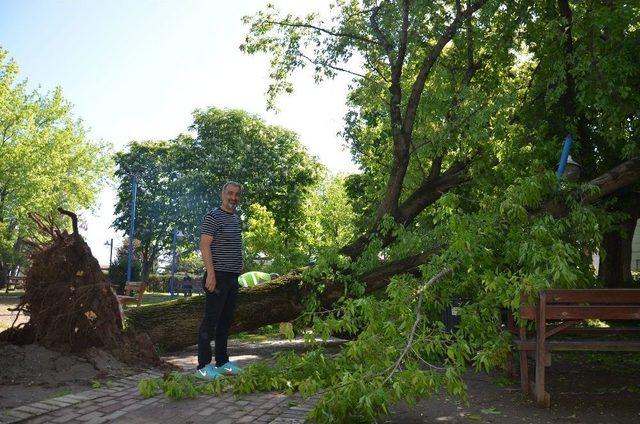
[[12, 293], [151, 298]]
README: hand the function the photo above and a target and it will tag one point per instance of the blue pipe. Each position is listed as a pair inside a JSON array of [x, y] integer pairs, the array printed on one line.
[[173, 263], [134, 190], [565, 155]]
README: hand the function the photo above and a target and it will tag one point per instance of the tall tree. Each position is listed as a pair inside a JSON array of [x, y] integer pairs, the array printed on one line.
[[158, 210], [46, 161], [583, 84], [180, 179], [458, 110]]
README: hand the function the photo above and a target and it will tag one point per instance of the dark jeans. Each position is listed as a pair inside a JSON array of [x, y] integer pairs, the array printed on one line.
[[218, 314]]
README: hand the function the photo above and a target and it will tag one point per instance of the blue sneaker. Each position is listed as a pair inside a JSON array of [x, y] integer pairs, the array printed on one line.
[[208, 372], [230, 368]]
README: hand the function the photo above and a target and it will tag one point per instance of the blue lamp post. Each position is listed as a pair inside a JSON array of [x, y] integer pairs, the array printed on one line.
[[566, 148], [176, 235], [134, 190], [110, 244]]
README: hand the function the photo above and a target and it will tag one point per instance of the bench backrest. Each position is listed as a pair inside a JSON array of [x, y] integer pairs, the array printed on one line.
[[577, 304], [594, 296], [138, 287]]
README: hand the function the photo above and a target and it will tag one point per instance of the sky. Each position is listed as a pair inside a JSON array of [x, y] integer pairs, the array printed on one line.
[[136, 70]]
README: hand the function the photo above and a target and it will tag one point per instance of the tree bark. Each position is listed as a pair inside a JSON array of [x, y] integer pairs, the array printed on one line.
[[616, 249], [619, 177], [615, 262], [173, 326]]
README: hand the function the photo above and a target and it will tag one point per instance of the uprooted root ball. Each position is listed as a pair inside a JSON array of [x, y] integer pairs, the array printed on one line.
[[71, 304]]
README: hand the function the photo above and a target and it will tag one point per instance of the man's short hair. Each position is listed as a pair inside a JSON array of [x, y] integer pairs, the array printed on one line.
[[231, 183]]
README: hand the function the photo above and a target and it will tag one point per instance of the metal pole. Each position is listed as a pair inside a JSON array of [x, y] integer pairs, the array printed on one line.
[[565, 155], [110, 252], [134, 190], [173, 263]]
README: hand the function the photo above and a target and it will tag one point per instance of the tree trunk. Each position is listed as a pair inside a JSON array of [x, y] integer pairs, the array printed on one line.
[[4, 272], [615, 260], [174, 325]]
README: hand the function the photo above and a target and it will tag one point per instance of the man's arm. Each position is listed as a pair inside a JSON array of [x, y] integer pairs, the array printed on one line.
[[205, 250]]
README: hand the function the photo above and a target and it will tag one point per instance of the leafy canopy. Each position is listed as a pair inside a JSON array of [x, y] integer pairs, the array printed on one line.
[[46, 160]]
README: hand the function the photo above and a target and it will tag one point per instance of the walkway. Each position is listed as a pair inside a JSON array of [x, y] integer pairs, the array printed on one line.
[[122, 403]]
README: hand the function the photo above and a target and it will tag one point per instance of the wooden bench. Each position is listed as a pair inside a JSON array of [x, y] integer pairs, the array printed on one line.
[[129, 289], [187, 287], [14, 283], [558, 314]]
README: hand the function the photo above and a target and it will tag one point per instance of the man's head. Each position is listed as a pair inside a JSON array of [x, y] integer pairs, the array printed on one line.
[[230, 196]]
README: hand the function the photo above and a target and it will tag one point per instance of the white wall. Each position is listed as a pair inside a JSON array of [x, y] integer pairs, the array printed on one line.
[[635, 249]]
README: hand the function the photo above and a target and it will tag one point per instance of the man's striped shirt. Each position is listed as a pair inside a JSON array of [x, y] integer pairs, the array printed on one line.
[[226, 248]]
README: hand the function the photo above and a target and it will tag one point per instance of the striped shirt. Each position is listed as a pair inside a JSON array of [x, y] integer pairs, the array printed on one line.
[[226, 247]]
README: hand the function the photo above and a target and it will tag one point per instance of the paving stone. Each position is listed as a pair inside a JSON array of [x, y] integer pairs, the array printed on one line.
[[132, 407], [207, 411], [223, 421], [237, 414], [56, 402], [108, 402], [66, 418], [30, 410], [98, 420], [88, 409], [90, 416], [280, 420], [40, 420], [84, 404], [114, 415], [109, 408], [46, 406], [68, 399]]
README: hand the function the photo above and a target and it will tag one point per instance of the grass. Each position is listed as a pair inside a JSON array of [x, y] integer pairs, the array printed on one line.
[[151, 298], [268, 332], [12, 293]]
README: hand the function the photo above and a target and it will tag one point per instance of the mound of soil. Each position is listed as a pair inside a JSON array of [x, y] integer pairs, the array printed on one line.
[[30, 373]]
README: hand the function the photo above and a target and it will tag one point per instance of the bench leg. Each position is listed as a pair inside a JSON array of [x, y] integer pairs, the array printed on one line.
[[540, 395], [524, 372], [524, 363]]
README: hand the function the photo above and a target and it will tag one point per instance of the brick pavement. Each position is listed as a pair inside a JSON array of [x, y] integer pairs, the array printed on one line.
[[121, 403]]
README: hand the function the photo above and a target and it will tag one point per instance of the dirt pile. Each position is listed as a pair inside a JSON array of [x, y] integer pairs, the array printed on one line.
[[36, 365]]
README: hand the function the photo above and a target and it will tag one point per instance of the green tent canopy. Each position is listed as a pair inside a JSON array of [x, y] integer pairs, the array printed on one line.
[[250, 279]]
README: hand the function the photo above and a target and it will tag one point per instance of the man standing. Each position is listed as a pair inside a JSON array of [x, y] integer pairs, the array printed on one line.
[[221, 248]]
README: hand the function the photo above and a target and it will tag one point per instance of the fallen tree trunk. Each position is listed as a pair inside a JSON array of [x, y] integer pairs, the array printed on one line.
[[174, 325], [611, 181]]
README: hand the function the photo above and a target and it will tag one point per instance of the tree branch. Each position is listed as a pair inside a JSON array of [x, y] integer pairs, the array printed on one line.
[[412, 334], [324, 30], [613, 180], [336, 68], [430, 60], [382, 39]]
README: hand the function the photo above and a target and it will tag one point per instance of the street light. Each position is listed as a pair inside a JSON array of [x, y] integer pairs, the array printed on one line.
[[134, 191], [176, 235], [109, 243]]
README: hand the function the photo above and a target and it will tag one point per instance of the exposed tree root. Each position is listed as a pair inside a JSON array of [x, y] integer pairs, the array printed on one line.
[[70, 302]]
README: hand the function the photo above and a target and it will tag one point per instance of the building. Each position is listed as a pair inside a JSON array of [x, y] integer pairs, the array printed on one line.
[[635, 249]]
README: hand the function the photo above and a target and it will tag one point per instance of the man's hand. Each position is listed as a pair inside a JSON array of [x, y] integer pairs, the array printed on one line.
[[211, 282]]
